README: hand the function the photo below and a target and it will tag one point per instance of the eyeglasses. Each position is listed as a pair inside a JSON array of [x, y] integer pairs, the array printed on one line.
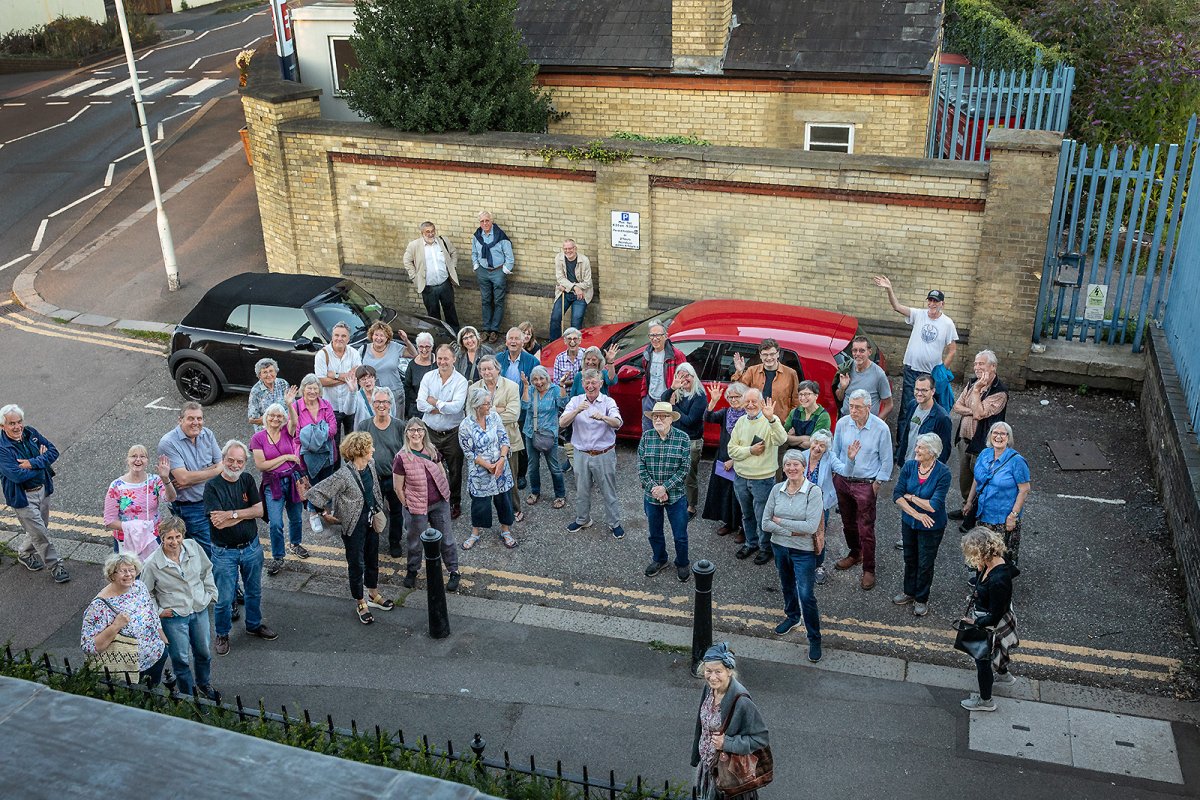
[[381, 402], [657, 335]]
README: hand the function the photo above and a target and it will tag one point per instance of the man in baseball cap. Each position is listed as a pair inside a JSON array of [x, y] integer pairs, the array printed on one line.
[[932, 342]]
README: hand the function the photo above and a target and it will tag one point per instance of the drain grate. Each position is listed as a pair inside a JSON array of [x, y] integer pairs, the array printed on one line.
[[1077, 455]]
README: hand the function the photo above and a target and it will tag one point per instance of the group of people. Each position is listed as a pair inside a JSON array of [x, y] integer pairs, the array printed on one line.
[[431, 262], [369, 448]]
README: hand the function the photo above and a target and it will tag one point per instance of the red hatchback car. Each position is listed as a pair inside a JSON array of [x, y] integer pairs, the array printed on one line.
[[815, 343]]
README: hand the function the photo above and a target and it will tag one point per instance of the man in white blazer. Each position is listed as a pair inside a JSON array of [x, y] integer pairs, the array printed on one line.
[[430, 262]]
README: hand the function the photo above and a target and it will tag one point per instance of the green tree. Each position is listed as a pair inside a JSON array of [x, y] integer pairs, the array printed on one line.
[[444, 65]]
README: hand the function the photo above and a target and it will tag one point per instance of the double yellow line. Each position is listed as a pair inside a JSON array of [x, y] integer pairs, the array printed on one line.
[[677, 608], [28, 324]]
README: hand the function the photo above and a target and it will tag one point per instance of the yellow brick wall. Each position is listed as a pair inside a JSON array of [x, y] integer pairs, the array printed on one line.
[[700, 27], [884, 124], [807, 228]]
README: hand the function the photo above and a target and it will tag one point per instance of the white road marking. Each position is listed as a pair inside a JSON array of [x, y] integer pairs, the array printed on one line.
[[57, 103], [101, 72], [1092, 499], [175, 71], [77, 202], [162, 86], [201, 36], [116, 88], [194, 63], [160, 134], [155, 404], [16, 260], [99, 102], [37, 240], [108, 178], [35, 133], [190, 107], [202, 85], [212, 72], [145, 54], [78, 113], [130, 154], [7, 105]]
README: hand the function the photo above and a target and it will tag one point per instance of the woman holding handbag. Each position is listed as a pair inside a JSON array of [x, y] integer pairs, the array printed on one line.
[[990, 611], [276, 451], [731, 750], [350, 506], [540, 402], [121, 628], [131, 505]]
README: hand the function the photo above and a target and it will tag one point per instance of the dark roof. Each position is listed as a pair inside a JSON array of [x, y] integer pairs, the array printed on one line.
[[873, 37], [256, 287], [597, 33], [833, 37]]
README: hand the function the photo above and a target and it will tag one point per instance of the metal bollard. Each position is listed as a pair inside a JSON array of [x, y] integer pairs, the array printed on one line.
[[435, 586], [702, 613]]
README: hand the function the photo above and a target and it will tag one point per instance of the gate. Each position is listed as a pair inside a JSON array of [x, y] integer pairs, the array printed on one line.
[[968, 102], [1111, 246]]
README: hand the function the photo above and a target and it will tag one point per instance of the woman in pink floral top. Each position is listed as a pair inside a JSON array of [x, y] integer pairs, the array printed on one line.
[[124, 607], [134, 500]]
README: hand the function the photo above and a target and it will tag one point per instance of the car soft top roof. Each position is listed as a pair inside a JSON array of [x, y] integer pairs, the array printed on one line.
[[272, 289]]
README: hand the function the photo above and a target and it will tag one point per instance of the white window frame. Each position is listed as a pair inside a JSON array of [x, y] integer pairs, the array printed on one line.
[[338, 91], [808, 130]]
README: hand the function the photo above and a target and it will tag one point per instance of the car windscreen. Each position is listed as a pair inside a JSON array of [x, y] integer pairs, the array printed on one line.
[[350, 305], [638, 336]]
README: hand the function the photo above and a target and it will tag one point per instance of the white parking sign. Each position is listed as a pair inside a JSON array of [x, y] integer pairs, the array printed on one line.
[[626, 230]]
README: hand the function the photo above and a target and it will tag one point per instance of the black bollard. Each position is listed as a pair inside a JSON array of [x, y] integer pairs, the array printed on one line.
[[435, 586], [702, 613]]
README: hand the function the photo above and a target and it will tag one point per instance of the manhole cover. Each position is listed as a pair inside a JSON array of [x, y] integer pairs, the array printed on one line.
[[1078, 455]]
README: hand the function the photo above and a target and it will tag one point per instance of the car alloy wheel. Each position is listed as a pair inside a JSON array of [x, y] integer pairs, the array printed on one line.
[[196, 382]]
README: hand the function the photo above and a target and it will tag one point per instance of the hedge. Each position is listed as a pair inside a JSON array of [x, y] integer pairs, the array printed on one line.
[[980, 31]]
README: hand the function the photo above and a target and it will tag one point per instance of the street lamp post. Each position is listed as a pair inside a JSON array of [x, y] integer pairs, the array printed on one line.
[[164, 227]]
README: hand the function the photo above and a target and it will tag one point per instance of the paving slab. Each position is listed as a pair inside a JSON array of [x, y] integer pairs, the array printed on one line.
[[1023, 729], [1123, 744], [94, 320]]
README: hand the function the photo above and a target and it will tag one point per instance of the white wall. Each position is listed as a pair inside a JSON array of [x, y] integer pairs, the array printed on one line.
[[318, 28], [21, 14]]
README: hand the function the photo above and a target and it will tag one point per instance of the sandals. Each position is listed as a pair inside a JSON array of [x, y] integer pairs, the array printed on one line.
[[519, 516], [470, 541], [364, 614], [532, 499], [559, 502], [380, 602], [509, 540]]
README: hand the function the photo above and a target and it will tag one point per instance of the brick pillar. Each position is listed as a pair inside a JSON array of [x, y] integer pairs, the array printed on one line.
[[1012, 246], [699, 33], [623, 275], [268, 104]]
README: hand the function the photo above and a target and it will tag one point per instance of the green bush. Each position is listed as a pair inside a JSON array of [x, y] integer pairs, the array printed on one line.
[[980, 31], [444, 65], [76, 37]]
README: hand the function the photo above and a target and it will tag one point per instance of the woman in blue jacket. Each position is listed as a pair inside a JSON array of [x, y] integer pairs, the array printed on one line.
[[920, 494]]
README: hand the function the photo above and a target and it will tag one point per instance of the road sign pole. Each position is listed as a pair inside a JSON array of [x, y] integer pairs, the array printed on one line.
[[164, 227]]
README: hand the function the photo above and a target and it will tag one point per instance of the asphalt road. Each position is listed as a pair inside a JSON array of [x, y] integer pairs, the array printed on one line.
[[69, 140]]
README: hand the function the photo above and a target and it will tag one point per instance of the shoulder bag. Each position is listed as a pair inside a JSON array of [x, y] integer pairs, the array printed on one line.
[[971, 518], [974, 640], [737, 773], [542, 442], [120, 658]]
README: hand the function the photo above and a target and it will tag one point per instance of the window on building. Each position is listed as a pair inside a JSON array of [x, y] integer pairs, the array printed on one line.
[[830, 138], [342, 59]]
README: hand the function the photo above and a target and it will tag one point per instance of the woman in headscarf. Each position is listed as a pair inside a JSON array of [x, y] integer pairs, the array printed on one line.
[[728, 721]]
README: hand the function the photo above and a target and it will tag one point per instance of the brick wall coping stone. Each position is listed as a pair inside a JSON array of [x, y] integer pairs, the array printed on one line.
[[1026, 141], [761, 156], [277, 90]]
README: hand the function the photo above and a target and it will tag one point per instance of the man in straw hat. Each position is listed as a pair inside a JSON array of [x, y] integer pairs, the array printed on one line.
[[664, 456]]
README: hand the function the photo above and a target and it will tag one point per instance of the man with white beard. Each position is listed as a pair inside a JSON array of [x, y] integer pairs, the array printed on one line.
[[233, 505]]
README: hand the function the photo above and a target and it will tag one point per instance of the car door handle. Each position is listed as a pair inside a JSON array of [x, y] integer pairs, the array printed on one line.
[[249, 348]]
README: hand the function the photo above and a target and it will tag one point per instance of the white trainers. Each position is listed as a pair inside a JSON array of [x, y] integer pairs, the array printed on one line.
[[1003, 677], [977, 703], [314, 522]]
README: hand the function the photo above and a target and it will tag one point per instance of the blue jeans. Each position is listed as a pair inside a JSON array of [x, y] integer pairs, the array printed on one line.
[[574, 305], [920, 554], [752, 497], [492, 290], [534, 471], [188, 640], [677, 513], [797, 571], [227, 563], [275, 511], [195, 521]]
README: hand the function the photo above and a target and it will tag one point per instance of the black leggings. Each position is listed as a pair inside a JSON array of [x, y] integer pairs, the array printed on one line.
[[362, 556], [983, 669]]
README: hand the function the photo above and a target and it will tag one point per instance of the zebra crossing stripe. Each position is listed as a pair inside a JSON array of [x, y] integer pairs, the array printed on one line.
[[82, 86], [116, 88], [162, 86], [202, 85]]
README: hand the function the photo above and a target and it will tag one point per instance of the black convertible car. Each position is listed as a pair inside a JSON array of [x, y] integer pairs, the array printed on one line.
[[284, 317]]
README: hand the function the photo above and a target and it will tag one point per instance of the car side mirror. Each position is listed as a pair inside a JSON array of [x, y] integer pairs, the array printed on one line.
[[628, 373], [304, 343]]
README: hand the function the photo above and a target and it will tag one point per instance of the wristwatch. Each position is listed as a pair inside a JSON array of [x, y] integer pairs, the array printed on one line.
[[235, 515]]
